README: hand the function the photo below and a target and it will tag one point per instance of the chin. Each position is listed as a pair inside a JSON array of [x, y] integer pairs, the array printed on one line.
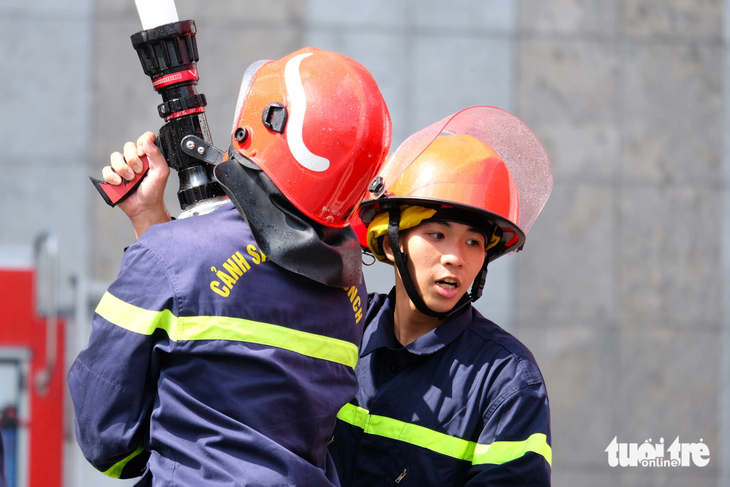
[[441, 306]]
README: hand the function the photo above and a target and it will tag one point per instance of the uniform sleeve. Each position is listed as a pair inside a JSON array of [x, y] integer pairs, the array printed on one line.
[[514, 447], [113, 380]]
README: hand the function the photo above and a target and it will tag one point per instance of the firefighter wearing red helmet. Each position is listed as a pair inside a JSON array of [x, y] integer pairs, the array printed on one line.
[[227, 345], [446, 396]]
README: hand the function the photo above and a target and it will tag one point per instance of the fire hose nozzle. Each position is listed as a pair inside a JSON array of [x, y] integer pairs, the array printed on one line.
[[169, 55]]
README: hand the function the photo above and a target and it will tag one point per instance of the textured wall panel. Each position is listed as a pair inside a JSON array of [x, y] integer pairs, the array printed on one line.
[[627, 97]]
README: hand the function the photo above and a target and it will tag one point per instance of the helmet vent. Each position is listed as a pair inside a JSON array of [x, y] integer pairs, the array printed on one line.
[[377, 187], [274, 117]]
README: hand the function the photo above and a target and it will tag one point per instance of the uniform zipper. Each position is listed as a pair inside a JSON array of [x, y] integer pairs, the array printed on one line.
[[400, 477]]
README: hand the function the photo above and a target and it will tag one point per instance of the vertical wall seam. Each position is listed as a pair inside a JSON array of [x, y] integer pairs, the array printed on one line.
[[724, 419], [618, 188]]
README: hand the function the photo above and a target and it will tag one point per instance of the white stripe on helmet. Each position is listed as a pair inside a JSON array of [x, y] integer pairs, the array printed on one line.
[[298, 100]]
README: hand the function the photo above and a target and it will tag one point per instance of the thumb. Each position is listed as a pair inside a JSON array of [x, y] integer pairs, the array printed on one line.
[[146, 147]]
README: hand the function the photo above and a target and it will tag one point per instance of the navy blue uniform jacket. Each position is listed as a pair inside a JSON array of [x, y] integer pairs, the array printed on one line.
[[210, 365], [464, 404]]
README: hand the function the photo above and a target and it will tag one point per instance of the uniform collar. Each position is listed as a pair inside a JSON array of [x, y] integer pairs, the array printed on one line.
[[379, 332]]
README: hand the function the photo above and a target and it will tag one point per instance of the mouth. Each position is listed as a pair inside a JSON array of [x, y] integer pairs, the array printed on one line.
[[447, 287], [448, 283]]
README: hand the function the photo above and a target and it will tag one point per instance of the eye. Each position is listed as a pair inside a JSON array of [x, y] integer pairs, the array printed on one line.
[[436, 235], [475, 242]]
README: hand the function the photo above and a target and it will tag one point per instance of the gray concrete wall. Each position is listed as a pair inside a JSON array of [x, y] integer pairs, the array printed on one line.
[[619, 292], [45, 54]]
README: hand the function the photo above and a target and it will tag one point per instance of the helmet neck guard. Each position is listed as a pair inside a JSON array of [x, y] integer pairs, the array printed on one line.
[[293, 241]]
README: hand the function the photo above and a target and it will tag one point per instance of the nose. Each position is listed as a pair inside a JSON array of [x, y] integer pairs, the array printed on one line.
[[453, 255]]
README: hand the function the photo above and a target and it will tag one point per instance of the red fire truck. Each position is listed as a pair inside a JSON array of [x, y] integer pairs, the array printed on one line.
[[31, 373]]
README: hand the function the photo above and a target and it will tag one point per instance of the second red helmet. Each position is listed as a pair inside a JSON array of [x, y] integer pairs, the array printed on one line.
[[316, 123]]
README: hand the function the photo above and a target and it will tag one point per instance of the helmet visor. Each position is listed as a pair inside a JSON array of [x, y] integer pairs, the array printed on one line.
[[248, 77], [511, 138]]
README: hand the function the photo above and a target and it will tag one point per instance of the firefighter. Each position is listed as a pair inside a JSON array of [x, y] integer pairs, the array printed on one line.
[[227, 344], [447, 397]]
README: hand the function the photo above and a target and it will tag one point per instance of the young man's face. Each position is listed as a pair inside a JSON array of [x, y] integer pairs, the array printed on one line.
[[444, 258]]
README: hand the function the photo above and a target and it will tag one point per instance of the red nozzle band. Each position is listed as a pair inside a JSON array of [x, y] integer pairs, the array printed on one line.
[[179, 77], [189, 111]]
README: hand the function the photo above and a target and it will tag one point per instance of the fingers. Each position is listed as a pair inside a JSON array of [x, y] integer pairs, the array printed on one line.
[[146, 140], [146, 147], [129, 163], [131, 155], [110, 176], [120, 166]]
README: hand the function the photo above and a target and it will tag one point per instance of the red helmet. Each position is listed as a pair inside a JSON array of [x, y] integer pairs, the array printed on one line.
[[481, 166], [482, 161], [456, 177], [316, 123]]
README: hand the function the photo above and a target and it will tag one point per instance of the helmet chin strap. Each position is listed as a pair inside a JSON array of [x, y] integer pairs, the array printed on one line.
[[401, 260]]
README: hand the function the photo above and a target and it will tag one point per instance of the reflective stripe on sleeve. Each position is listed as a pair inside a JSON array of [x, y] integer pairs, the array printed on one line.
[[115, 471], [503, 451], [181, 328], [495, 453], [138, 320]]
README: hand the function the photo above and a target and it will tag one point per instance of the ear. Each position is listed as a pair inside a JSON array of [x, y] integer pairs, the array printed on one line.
[[387, 250]]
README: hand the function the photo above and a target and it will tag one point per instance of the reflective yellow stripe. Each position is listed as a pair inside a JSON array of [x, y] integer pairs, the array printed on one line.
[[497, 453], [504, 451], [407, 432], [145, 322], [423, 437], [354, 415], [236, 329], [116, 471], [138, 320]]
